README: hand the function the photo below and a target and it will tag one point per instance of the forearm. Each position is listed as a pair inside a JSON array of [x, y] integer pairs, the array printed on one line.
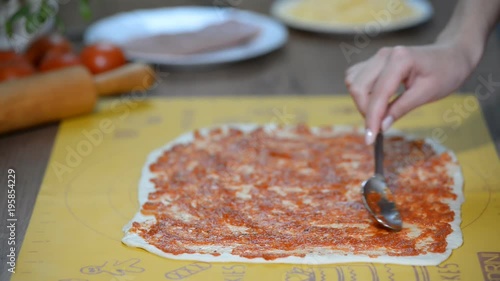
[[470, 26]]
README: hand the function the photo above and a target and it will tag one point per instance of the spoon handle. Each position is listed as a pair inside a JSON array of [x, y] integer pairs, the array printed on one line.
[[379, 155]]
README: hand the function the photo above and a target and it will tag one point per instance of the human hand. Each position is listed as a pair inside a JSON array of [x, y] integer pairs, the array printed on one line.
[[428, 73]]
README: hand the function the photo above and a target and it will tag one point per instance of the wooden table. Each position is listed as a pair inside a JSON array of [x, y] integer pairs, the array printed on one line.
[[309, 64]]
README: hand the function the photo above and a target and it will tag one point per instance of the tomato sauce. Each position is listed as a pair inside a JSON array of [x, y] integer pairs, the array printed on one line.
[[271, 195]]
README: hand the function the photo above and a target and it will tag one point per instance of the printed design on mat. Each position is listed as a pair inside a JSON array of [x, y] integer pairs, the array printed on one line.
[[369, 272], [187, 271], [305, 274], [116, 268], [490, 265]]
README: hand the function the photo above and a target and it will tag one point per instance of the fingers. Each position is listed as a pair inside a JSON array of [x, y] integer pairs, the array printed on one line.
[[398, 68], [360, 100], [372, 83], [414, 97], [361, 77]]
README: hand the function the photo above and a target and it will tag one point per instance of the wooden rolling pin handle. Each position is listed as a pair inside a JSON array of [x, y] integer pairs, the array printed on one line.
[[55, 95], [46, 97], [132, 77]]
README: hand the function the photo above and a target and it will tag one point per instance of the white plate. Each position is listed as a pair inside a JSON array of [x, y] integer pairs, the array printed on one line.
[[279, 9], [122, 27]]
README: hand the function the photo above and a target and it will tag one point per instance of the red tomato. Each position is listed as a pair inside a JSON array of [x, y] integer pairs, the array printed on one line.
[[6, 55], [15, 68], [102, 57], [55, 60], [52, 42]]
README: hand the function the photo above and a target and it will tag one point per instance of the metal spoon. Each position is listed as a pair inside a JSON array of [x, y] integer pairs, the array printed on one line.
[[377, 197]]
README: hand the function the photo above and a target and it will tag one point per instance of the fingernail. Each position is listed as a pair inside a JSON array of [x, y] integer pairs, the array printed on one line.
[[387, 122], [369, 137]]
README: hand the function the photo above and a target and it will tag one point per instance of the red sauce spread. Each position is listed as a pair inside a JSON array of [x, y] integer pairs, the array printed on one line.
[[274, 195]]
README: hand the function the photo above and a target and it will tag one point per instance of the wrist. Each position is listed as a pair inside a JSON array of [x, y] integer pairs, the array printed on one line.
[[467, 32], [468, 50]]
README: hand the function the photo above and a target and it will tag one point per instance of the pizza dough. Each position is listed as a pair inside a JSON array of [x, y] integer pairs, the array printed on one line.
[[245, 193]]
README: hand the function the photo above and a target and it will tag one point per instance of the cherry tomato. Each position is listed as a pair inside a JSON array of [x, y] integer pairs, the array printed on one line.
[[102, 57], [55, 60], [6, 55], [15, 68], [52, 42]]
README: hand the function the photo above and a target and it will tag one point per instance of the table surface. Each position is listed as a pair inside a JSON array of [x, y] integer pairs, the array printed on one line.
[[309, 64]]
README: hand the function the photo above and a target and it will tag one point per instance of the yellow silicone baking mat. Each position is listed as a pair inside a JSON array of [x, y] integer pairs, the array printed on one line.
[[90, 191]]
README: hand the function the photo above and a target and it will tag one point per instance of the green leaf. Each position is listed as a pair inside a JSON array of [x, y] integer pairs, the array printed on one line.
[[36, 19], [60, 25], [85, 10], [31, 24], [46, 11], [23, 12]]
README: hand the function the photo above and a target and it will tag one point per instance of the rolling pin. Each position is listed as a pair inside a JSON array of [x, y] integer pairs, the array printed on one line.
[[59, 94]]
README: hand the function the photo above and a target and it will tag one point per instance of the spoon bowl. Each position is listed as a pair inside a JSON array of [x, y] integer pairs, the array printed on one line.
[[377, 197], [379, 201]]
